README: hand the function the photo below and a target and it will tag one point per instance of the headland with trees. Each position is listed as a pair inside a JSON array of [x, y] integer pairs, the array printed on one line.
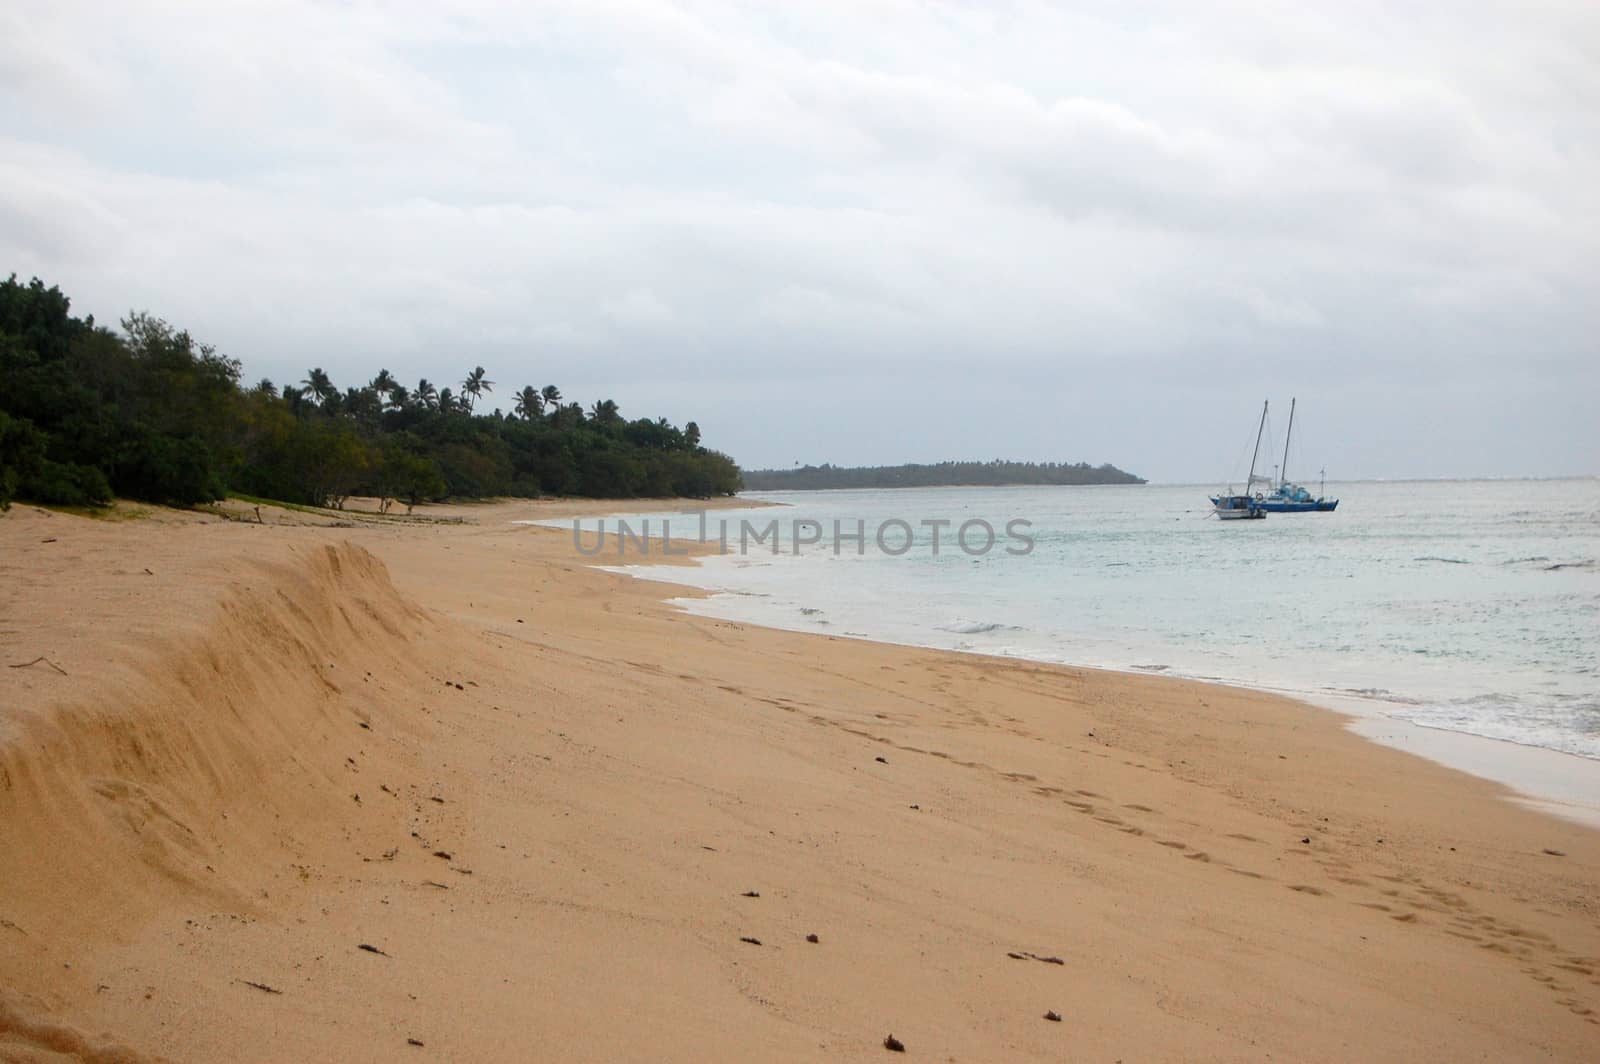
[[88, 413], [935, 475]]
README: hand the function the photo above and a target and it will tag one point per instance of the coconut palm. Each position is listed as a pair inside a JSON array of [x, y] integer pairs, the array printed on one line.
[[319, 386], [365, 404], [566, 415], [605, 412], [295, 398], [552, 397], [427, 394], [474, 387], [530, 404], [383, 384]]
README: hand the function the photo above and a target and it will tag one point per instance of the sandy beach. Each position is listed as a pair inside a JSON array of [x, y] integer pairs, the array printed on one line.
[[336, 787]]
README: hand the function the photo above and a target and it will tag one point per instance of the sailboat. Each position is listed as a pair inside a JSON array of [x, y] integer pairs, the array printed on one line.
[[1287, 498], [1232, 507]]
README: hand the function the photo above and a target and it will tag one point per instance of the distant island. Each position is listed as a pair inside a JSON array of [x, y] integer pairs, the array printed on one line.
[[937, 475]]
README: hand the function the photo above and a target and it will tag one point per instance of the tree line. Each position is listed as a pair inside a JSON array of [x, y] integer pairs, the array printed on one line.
[[935, 475], [88, 413]]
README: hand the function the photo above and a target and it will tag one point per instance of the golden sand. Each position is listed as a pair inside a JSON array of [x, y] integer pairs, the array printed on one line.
[[289, 792]]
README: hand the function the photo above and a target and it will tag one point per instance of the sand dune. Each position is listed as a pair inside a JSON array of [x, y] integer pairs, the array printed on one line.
[[299, 792]]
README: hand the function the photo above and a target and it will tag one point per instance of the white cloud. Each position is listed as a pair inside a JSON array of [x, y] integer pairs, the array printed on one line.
[[750, 193], [640, 309]]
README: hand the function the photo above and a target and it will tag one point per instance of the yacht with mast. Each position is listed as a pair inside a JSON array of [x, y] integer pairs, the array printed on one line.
[[1288, 498], [1231, 507]]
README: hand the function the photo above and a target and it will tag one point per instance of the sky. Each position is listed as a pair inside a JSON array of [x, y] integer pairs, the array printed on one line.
[[858, 231]]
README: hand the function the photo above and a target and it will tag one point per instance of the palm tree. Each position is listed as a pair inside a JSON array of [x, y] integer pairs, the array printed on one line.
[[447, 401], [474, 386], [605, 412], [427, 394], [365, 403], [266, 387], [398, 395], [552, 397], [320, 386], [529, 403], [383, 384]]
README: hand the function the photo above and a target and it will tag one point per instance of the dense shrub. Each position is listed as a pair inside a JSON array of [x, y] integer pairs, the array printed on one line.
[[21, 453], [65, 484], [168, 469]]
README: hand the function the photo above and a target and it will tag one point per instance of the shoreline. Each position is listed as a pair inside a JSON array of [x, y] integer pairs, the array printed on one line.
[[1556, 782], [560, 808]]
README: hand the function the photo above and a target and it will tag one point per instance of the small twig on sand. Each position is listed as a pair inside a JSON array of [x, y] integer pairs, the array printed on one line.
[[35, 661], [372, 949], [261, 986]]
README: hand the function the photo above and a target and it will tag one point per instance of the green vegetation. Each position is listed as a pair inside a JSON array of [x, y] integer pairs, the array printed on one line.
[[941, 474], [87, 413]]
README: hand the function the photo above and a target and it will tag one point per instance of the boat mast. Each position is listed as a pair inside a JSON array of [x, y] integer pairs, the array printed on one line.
[[1250, 481], [1283, 470]]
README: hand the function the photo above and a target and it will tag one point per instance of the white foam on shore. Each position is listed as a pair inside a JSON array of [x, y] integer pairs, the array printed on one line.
[[1566, 785]]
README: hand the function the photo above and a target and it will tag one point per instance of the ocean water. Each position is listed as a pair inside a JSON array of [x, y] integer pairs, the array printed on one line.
[[1472, 606]]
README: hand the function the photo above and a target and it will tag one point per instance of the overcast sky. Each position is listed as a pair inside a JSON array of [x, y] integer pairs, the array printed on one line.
[[859, 231]]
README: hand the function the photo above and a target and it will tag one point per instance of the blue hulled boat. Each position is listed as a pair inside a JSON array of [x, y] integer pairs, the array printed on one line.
[[1287, 498], [1283, 498]]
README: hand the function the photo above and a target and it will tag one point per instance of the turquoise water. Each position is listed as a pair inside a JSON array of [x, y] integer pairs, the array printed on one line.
[[1470, 606]]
